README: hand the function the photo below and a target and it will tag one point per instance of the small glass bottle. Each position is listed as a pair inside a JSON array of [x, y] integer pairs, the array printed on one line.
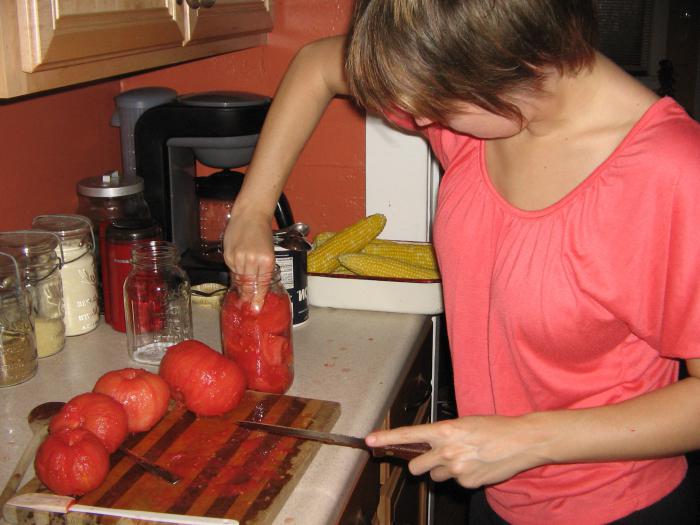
[[259, 340], [156, 302], [18, 359], [39, 256], [82, 312]]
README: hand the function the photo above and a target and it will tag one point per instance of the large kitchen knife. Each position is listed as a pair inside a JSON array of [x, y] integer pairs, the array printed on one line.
[[407, 451]]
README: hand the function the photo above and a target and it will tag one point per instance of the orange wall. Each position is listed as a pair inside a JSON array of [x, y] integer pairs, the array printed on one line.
[[50, 142], [47, 144]]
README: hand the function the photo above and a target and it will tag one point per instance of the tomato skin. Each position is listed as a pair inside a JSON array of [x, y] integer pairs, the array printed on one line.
[[143, 394], [206, 382], [260, 343], [98, 413], [72, 462]]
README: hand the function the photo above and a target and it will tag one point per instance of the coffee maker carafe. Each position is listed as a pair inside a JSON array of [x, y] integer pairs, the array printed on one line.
[[220, 130]]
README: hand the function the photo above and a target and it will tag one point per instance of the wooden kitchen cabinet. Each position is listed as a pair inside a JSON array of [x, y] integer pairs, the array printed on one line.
[[48, 44], [387, 493]]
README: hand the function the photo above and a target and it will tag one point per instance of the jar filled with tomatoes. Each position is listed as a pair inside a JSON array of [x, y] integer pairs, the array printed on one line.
[[257, 333]]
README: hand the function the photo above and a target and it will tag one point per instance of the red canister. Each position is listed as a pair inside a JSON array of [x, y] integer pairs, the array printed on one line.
[[120, 237]]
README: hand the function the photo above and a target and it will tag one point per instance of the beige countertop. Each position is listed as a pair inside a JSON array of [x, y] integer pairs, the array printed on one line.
[[357, 358]]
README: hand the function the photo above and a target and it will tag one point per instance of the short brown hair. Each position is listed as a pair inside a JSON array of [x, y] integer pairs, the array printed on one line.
[[424, 56]]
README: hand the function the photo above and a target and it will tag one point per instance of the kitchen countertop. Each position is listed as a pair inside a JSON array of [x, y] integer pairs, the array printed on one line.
[[357, 358]]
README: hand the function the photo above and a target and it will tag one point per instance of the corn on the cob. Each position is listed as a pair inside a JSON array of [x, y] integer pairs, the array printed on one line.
[[378, 266], [324, 259], [322, 237], [412, 253]]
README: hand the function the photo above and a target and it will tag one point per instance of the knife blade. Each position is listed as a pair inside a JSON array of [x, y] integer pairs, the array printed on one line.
[[64, 504], [407, 451]]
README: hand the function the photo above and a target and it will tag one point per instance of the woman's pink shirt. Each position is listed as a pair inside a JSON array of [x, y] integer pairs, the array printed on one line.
[[588, 302]]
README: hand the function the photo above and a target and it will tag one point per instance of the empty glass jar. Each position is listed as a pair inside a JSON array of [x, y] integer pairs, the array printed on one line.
[[156, 302], [18, 359], [39, 258]]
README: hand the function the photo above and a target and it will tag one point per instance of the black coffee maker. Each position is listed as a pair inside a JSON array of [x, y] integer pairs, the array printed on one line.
[[220, 130]]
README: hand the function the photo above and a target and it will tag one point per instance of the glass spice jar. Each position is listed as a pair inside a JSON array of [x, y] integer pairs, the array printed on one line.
[[259, 340], [78, 274], [156, 302], [18, 358], [39, 257]]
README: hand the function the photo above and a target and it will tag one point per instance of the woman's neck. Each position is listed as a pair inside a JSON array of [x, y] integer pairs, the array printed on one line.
[[588, 99]]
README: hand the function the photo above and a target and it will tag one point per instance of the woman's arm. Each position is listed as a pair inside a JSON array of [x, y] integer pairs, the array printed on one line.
[[313, 78], [482, 450]]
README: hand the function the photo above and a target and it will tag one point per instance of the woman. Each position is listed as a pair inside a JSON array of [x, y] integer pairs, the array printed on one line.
[[566, 237]]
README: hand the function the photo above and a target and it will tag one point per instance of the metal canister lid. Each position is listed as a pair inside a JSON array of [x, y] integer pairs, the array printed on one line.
[[110, 185], [132, 229]]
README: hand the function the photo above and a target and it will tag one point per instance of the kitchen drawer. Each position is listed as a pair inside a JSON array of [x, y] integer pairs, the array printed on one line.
[[364, 500], [415, 391]]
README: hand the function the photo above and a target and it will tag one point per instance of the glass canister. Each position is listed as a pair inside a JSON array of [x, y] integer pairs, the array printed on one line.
[[120, 238], [106, 198], [259, 340], [18, 358], [78, 274], [156, 302], [39, 257], [111, 196]]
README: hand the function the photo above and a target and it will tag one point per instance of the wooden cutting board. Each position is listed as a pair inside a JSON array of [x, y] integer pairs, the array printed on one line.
[[227, 471]]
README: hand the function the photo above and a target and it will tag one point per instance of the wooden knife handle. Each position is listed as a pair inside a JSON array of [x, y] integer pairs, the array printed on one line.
[[407, 451]]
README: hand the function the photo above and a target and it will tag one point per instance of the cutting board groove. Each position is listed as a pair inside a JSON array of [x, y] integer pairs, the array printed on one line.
[[227, 471]]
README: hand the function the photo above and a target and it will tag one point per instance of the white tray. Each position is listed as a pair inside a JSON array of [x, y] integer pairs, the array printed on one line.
[[354, 292]]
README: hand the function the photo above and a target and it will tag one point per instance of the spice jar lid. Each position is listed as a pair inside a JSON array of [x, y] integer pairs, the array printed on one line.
[[69, 226], [132, 229], [110, 185]]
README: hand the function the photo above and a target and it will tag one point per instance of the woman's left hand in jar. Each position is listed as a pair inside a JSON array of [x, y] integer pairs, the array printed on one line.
[[474, 450], [248, 247]]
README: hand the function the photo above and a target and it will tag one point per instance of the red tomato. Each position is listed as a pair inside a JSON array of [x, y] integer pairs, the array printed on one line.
[[98, 413], [205, 381], [72, 462], [260, 342], [143, 394]]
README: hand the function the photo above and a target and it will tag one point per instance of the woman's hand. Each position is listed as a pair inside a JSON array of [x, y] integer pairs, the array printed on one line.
[[248, 249], [475, 450], [248, 244]]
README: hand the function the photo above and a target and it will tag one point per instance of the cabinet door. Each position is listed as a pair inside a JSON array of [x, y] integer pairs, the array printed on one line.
[[225, 19], [59, 33]]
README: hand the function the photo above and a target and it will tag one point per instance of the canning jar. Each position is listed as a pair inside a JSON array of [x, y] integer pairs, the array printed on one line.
[[259, 339], [78, 276], [18, 358], [39, 257], [156, 302]]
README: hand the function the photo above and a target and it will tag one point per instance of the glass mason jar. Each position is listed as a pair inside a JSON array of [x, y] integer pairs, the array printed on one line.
[[78, 274], [259, 341], [39, 257], [18, 358], [156, 302]]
